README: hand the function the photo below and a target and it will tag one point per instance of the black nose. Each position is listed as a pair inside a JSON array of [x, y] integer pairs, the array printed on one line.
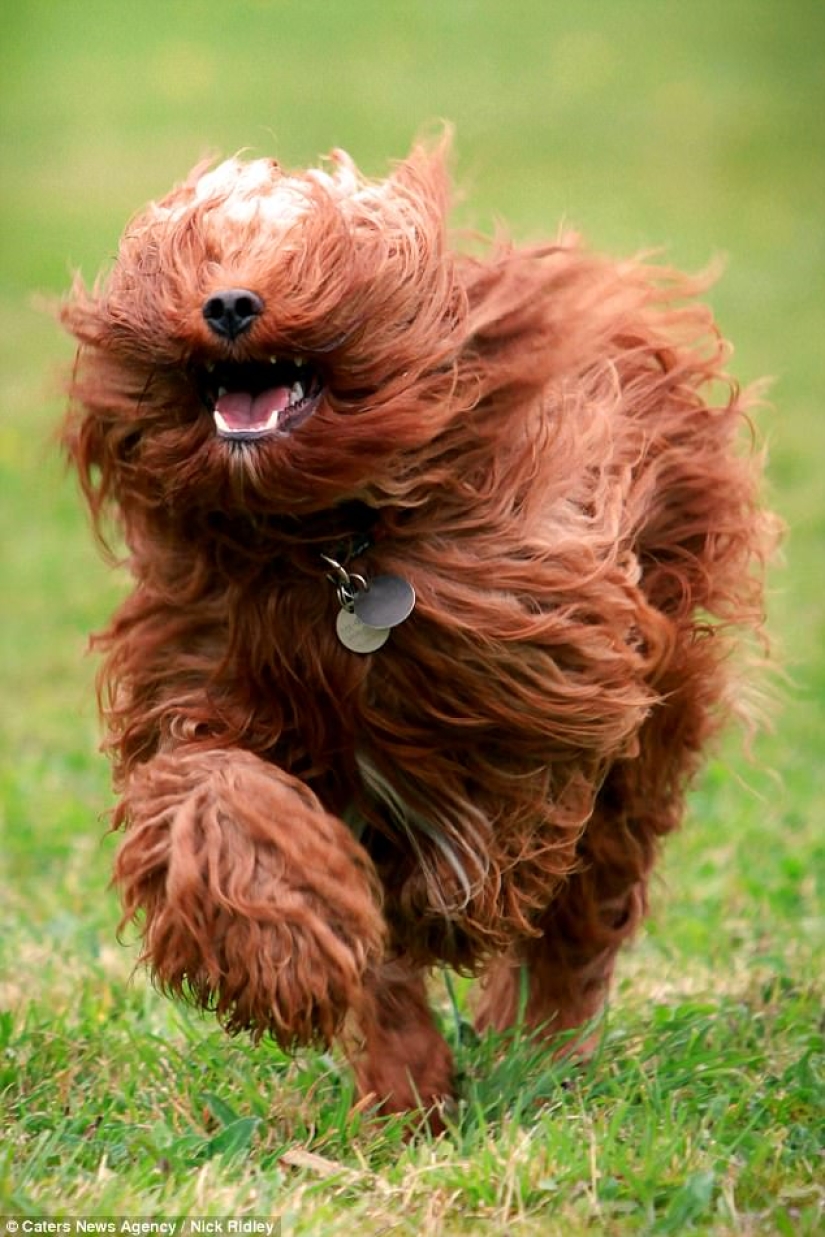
[[232, 311]]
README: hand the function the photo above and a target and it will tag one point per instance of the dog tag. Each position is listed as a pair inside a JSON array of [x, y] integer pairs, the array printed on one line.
[[357, 636], [386, 602]]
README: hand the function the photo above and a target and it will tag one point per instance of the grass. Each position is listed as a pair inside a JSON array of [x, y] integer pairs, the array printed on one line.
[[693, 1109], [644, 123]]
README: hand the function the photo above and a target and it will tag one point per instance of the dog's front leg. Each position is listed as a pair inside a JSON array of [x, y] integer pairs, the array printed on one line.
[[253, 901], [405, 1064]]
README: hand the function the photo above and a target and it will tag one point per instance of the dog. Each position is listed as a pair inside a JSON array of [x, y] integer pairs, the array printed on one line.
[[441, 552]]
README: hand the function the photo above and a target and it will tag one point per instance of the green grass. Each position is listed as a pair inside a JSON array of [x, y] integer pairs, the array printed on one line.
[[645, 123]]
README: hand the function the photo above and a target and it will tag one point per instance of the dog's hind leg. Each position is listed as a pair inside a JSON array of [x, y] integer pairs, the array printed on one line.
[[253, 900], [405, 1064], [559, 981], [601, 903]]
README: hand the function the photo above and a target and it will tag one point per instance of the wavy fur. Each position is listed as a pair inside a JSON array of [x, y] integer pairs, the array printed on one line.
[[546, 444]]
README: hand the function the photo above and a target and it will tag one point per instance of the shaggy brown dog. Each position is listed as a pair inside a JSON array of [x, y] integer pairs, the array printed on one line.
[[301, 404]]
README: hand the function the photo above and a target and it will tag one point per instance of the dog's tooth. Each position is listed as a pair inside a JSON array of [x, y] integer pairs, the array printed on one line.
[[221, 422], [221, 392], [300, 361], [274, 418], [296, 392], [210, 367], [273, 360]]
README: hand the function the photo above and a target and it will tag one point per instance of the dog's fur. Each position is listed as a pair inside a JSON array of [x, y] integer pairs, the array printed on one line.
[[544, 443]]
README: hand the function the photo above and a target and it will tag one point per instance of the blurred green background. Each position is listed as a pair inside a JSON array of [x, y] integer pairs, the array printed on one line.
[[695, 128]]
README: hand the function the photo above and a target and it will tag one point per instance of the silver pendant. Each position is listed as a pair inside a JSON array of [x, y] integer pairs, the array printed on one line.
[[357, 636], [386, 602]]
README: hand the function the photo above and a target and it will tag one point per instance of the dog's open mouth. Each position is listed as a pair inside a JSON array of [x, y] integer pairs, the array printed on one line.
[[255, 399]]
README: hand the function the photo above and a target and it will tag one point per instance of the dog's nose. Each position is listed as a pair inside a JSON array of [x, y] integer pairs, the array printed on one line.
[[231, 311]]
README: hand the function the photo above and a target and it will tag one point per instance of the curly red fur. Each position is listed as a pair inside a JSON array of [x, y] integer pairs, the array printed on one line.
[[241, 875], [545, 444]]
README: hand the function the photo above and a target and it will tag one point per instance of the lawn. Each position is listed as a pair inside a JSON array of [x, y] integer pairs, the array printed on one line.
[[697, 129]]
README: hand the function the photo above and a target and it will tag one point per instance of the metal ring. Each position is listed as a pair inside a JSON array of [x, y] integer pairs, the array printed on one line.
[[347, 584], [346, 597], [339, 572]]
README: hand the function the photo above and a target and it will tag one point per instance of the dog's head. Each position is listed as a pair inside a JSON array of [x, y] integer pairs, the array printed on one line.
[[268, 338]]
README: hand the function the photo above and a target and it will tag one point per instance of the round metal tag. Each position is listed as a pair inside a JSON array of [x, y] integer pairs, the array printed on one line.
[[388, 601], [357, 636]]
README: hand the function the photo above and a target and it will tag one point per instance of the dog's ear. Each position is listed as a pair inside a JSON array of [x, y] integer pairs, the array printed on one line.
[[91, 445], [81, 311], [425, 173], [97, 436]]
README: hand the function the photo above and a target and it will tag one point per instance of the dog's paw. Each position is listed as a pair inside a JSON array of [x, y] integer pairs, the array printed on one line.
[[418, 1086], [255, 902], [405, 1065]]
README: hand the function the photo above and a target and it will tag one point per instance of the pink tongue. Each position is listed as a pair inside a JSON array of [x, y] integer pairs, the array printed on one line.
[[243, 411]]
